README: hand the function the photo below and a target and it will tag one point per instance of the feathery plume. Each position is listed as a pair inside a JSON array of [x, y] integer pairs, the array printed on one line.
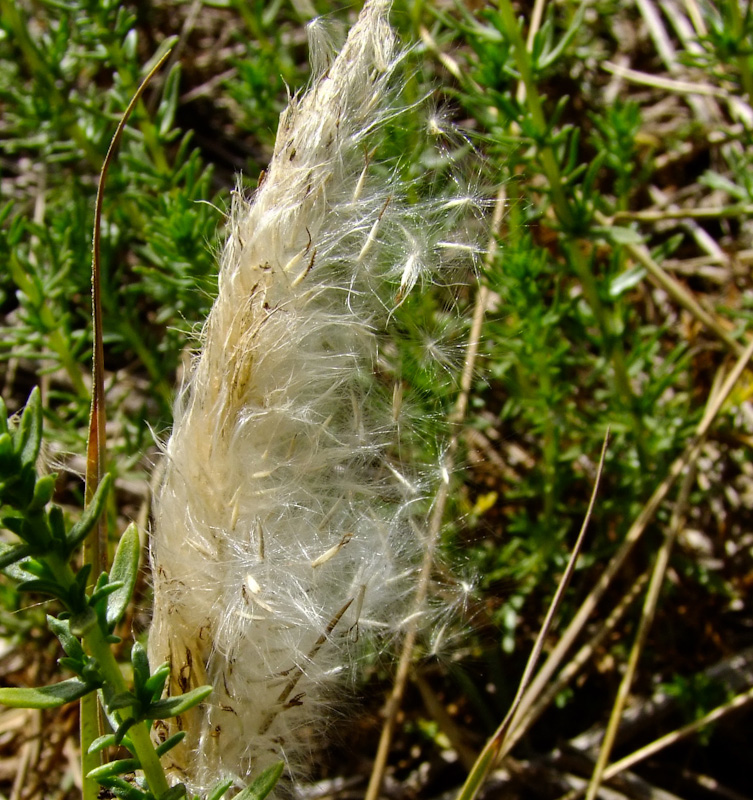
[[285, 528]]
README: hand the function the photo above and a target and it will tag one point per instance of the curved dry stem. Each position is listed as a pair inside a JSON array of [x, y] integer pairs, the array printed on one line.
[[95, 547]]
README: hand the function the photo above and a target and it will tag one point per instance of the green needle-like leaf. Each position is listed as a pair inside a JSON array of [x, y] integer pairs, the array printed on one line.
[[10, 554], [28, 435], [46, 696], [263, 785], [172, 706], [125, 569], [113, 768], [81, 529]]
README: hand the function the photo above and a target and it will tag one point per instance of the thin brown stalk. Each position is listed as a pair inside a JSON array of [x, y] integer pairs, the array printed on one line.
[[647, 617], [522, 724], [95, 546], [737, 702]]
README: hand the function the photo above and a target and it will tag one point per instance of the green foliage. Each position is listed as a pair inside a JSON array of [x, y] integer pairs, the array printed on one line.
[[86, 626]]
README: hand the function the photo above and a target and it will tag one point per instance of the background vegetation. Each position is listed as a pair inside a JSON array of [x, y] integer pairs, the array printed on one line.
[[621, 149]]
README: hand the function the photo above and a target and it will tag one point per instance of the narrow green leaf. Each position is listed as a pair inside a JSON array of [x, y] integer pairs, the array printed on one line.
[[3, 417], [219, 790], [62, 629], [43, 491], [166, 111], [122, 789], [118, 767], [10, 554], [108, 740], [42, 587], [123, 729], [45, 696], [105, 591], [173, 741], [156, 682], [172, 706], [80, 530], [263, 785], [7, 456], [626, 280], [125, 570], [618, 234], [140, 662], [56, 523], [28, 435]]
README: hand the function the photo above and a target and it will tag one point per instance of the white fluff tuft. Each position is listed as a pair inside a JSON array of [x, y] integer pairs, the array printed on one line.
[[285, 531]]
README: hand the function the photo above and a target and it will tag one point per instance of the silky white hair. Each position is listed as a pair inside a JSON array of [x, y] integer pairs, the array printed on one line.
[[285, 529]]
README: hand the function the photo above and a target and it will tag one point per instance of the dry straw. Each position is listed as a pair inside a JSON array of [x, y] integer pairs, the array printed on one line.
[[287, 532]]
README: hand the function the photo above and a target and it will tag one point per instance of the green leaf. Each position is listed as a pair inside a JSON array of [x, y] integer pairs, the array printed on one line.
[[80, 530], [45, 696], [7, 456], [62, 629], [166, 111], [140, 662], [172, 706], [118, 767], [626, 281], [42, 587], [56, 523], [125, 570], [123, 789], [10, 554], [123, 729], [156, 682], [263, 785], [617, 234], [173, 741], [219, 790], [28, 435], [43, 491], [108, 740], [104, 591], [3, 411]]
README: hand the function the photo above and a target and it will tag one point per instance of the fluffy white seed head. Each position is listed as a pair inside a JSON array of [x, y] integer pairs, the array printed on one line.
[[285, 530]]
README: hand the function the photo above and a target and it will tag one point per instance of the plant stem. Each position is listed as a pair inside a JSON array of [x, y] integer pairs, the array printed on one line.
[[99, 648]]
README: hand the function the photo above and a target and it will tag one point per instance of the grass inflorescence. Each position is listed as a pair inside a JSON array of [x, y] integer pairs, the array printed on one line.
[[616, 139]]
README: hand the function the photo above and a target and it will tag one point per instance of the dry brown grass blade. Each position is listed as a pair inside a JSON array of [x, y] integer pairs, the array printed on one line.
[[657, 579], [499, 744], [95, 546], [523, 722], [95, 549], [632, 537], [435, 523], [737, 702]]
